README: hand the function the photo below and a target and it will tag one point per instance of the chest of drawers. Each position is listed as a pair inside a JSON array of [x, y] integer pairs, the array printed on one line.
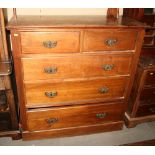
[[74, 74], [142, 103]]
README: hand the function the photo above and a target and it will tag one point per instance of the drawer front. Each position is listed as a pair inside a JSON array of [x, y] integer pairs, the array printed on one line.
[[74, 116], [76, 66], [49, 42], [148, 41], [149, 32], [148, 93], [150, 78], [69, 92], [109, 40], [146, 110]]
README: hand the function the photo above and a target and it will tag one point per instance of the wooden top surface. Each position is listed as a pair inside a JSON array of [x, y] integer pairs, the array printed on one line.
[[94, 21]]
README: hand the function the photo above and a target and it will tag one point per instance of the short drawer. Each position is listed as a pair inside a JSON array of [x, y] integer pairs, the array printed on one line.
[[76, 66], [149, 32], [70, 92], [74, 116], [109, 40], [148, 41], [146, 110], [150, 78], [148, 93], [49, 42]]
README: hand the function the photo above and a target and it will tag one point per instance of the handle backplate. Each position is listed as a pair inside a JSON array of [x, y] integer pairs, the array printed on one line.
[[52, 120], [50, 70], [101, 115], [51, 94], [50, 44], [111, 42], [104, 90], [108, 67]]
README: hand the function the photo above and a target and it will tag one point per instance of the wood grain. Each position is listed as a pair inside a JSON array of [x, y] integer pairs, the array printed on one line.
[[32, 42], [91, 21], [84, 66], [74, 116], [125, 40], [79, 78], [74, 91], [131, 122], [73, 131]]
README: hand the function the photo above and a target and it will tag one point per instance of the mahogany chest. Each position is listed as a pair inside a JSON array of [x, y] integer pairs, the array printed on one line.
[[74, 74], [142, 101]]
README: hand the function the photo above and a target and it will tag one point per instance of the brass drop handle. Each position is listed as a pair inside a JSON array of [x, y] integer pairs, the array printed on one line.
[[101, 115], [151, 73], [52, 120], [104, 90], [49, 44], [110, 42], [50, 70], [51, 94], [108, 67], [152, 110]]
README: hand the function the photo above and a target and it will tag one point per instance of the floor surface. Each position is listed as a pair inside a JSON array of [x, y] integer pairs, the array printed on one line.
[[141, 132]]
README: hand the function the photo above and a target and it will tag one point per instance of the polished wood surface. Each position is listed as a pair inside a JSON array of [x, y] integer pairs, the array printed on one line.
[[121, 37], [74, 91], [73, 131], [85, 65], [33, 42], [19, 78], [74, 116], [77, 77], [142, 102], [28, 22], [131, 122]]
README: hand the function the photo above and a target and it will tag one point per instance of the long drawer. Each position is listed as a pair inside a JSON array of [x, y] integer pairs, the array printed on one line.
[[66, 91], [50, 42], [109, 40], [76, 66], [74, 116]]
